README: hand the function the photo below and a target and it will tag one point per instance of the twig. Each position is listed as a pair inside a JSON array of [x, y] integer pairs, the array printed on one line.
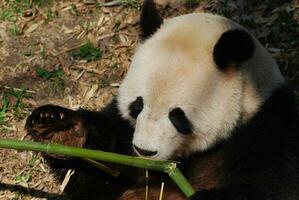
[[146, 184], [111, 3], [66, 179], [87, 70], [18, 89], [106, 36], [161, 191], [103, 167], [71, 49]]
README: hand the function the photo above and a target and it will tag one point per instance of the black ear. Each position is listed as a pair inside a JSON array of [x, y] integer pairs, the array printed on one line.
[[150, 19], [233, 47]]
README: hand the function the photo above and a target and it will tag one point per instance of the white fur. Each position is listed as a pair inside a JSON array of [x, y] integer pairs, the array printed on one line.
[[175, 68]]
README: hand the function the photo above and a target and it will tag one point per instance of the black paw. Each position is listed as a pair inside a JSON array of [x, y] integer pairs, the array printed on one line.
[[209, 195], [55, 124]]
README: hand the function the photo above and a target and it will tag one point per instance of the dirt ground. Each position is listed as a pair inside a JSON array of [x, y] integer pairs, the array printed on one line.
[[44, 59]]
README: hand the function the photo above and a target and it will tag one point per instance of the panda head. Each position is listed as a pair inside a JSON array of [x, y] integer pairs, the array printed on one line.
[[192, 80]]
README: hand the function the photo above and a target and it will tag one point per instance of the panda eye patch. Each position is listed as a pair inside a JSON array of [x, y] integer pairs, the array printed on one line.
[[180, 121], [136, 107]]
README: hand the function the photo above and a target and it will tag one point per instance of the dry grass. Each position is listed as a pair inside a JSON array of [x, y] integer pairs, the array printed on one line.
[[42, 34]]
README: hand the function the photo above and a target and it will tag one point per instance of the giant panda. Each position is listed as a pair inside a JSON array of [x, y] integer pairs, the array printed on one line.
[[201, 90]]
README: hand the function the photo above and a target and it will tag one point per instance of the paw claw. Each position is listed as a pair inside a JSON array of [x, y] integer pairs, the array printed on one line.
[[61, 115]]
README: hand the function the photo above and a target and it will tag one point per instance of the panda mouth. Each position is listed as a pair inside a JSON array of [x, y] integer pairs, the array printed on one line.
[[144, 152]]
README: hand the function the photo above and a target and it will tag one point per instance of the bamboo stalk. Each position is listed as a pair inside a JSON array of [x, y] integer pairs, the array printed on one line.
[[158, 165], [175, 174]]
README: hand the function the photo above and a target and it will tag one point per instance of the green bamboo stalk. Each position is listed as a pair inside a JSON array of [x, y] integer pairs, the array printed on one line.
[[175, 174], [158, 165]]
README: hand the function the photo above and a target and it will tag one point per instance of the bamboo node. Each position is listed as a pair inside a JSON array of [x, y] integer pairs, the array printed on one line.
[[47, 148], [171, 168]]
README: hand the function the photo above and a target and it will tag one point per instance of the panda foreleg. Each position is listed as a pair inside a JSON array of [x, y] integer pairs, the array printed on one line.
[[104, 130]]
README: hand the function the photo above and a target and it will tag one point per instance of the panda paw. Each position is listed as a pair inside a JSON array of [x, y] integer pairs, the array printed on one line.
[[209, 195], [55, 124]]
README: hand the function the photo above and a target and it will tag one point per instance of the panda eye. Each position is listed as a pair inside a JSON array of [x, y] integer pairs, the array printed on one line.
[[180, 121], [136, 107]]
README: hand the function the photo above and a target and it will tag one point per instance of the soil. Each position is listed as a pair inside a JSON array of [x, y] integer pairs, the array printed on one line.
[[43, 34]]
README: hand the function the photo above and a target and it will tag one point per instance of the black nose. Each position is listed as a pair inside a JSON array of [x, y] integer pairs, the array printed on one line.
[[144, 152]]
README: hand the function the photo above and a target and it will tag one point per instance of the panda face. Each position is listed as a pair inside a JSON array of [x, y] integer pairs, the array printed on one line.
[[173, 120], [190, 83], [175, 96]]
